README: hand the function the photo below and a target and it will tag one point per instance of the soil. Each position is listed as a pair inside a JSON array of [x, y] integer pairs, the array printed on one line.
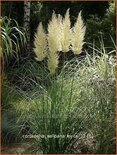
[[16, 148]]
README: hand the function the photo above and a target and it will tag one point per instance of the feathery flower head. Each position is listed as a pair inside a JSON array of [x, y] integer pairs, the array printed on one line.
[[40, 43], [78, 33], [60, 31], [52, 62], [54, 43], [59, 38], [66, 33]]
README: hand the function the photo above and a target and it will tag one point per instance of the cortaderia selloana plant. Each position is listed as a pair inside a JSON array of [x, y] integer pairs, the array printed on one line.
[[60, 37]]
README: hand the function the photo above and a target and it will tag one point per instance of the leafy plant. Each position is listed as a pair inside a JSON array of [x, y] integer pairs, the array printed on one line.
[[110, 19], [13, 37]]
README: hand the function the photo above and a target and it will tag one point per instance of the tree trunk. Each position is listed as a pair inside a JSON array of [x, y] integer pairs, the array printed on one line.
[[27, 23]]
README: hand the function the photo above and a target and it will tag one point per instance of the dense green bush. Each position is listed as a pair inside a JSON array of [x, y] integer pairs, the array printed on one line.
[[105, 27], [109, 22]]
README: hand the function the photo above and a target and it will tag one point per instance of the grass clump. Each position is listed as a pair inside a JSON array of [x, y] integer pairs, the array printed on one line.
[[75, 112]]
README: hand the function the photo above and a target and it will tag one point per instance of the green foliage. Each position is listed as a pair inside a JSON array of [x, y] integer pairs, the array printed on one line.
[[80, 100], [10, 128], [35, 15], [27, 75], [13, 38], [91, 33], [109, 22], [103, 111], [105, 27]]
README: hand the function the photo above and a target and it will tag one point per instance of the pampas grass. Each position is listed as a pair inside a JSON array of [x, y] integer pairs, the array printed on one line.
[[40, 43], [60, 37]]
